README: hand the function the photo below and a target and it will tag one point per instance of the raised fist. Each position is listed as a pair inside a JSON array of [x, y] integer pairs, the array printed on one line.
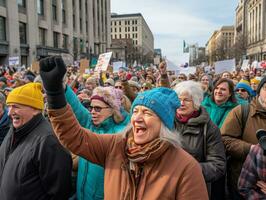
[[52, 71], [162, 67]]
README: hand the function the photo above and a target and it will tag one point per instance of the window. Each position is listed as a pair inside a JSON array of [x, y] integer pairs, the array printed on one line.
[[75, 44], [74, 22], [64, 11], [65, 41], [56, 40], [21, 3], [2, 29], [22, 33], [54, 8], [125, 22], [115, 23], [125, 29], [120, 23], [133, 28], [21, 6], [115, 29], [120, 36], [42, 36], [136, 22], [119, 29], [128, 29], [3, 3], [40, 7], [136, 28]]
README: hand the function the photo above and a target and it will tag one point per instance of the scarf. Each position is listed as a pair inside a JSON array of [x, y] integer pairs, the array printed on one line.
[[184, 119], [139, 154]]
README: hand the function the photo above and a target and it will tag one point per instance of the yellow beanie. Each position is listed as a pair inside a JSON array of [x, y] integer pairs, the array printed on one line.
[[255, 81], [29, 94], [244, 81]]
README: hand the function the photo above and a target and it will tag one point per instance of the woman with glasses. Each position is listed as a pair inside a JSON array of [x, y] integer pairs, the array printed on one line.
[[198, 135], [145, 161], [104, 115]]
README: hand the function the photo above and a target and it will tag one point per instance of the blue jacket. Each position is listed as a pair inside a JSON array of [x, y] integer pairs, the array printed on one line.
[[218, 113], [90, 180]]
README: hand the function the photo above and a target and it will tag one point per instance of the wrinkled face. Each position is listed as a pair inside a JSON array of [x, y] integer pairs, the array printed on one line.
[[99, 111], [146, 125], [242, 93], [221, 93], [187, 105], [21, 114]]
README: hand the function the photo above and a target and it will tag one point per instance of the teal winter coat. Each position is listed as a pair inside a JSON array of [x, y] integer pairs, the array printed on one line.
[[218, 113], [90, 180]]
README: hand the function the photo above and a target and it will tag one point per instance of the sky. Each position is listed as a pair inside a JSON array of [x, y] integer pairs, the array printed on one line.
[[172, 21]]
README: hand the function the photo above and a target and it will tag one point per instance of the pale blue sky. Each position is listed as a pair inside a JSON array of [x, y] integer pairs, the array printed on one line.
[[173, 21]]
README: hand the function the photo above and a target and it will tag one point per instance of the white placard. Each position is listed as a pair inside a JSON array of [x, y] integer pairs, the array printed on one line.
[[103, 61], [207, 69], [188, 70], [170, 65], [13, 60], [245, 64], [117, 65], [225, 65]]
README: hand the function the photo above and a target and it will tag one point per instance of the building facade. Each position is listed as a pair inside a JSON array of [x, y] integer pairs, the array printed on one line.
[[256, 29], [33, 29], [221, 44], [133, 26]]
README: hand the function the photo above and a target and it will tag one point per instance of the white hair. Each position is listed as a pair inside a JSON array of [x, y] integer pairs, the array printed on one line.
[[193, 89]]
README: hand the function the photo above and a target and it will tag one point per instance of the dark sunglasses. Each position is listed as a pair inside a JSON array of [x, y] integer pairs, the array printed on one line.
[[241, 90], [145, 88], [181, 77], [118, 87], [96, 108]]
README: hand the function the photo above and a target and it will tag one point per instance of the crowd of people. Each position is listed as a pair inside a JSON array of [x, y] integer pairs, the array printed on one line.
[[138, 133]]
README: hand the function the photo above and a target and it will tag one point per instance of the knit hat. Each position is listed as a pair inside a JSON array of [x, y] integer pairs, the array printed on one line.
[[110, 81], [261, 84], [134, 84], [244, 86], [255, 81], [162, 101], [108, 95], [29, 94]]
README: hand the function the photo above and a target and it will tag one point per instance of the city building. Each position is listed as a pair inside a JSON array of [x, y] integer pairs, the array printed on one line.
[[34, 29], [134, 26], [221, 44], [256, 29]]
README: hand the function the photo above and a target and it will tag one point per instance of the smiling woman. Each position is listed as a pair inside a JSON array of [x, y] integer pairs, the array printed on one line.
[[133, 167]]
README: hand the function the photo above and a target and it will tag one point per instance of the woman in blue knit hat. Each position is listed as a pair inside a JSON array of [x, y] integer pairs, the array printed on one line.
[[143, 163]]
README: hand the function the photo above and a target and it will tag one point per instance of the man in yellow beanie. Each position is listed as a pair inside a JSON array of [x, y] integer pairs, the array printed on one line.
[[33, 164]]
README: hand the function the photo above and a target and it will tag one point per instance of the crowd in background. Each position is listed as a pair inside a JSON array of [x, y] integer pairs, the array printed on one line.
[[216, 122]]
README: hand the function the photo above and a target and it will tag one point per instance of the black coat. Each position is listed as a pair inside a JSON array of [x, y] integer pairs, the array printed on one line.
[[33, 165]]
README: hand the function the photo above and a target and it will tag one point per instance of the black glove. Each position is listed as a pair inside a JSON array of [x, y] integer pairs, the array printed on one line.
[[52, 71]]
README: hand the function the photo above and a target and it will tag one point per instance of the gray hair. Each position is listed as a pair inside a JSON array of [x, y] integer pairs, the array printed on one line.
[[193, 88]]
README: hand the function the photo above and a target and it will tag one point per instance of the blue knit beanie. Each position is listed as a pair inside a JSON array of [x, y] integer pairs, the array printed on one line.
[[244, 86], [162, 101]]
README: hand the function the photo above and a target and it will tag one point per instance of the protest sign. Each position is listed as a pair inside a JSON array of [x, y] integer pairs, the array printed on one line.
[[245, 64], [117, 65], [103, 61], [225, 65], [188, 70], [13, 60], [83, 65]]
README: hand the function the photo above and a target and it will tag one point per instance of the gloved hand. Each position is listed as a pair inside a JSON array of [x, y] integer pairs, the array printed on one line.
[[52, 71]]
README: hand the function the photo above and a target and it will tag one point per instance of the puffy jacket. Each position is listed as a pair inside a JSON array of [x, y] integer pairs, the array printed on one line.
[[218, 113], [191, 138], [90, 180]]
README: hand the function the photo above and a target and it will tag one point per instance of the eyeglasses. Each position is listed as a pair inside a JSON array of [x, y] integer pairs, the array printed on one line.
[[185, 100], [180, 77], [119, 87], [96, 108], [145, 88], [240, 90]]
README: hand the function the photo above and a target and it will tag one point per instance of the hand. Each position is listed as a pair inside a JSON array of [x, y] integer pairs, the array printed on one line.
[[262, 186], [52, 71], [162, 67]]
